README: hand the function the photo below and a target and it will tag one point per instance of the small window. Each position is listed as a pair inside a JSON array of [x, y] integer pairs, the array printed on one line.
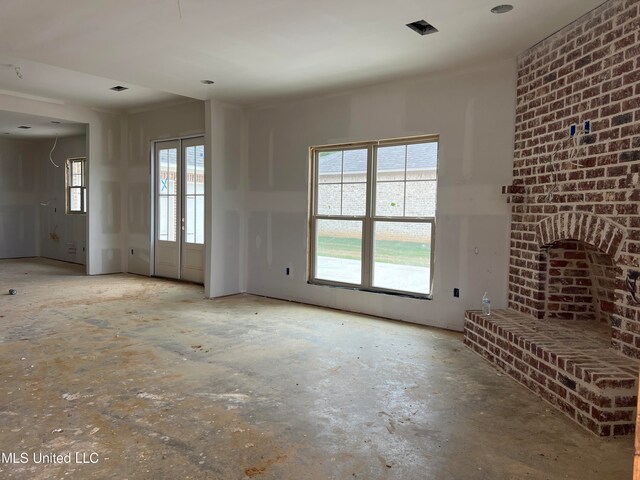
[[373, 215], [76, 186]]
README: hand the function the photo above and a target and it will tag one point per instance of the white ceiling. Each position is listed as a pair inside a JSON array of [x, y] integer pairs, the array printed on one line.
[[257, 51], [41, 127]]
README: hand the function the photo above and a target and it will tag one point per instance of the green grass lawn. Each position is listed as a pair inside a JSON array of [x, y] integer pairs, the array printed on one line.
[[386, 251]]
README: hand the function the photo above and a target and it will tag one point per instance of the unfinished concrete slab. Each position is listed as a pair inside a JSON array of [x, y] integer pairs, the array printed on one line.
[[159, 382]]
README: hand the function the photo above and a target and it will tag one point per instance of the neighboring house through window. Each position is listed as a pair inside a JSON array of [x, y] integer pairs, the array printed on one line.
[[372, 218], [76, 185]]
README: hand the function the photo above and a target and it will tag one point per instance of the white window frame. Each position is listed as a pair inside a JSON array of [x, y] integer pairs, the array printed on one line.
[[69, 185], [369, 219]]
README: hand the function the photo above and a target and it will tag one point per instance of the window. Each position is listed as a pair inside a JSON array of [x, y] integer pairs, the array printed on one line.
[[76, 186], [372, 218]]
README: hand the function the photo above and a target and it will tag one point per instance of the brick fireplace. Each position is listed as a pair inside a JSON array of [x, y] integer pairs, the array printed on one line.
[[571, 333]]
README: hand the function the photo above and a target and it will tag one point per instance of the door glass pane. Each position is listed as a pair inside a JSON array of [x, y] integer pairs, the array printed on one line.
[[339, 250], [194, 198], [199, 219], [163, 228], [190, 219], [168, 171], [402, 256], [167, 218], [390, 199], [167, 191], [199, 181], [190, 170]]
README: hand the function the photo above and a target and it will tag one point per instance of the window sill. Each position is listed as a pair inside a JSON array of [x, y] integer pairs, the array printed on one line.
[[414, 296]]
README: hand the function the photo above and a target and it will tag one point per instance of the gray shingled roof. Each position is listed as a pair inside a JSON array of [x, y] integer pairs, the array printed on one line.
[[421, 156]]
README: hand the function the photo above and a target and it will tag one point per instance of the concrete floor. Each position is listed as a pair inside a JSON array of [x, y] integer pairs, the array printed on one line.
[[163, 384]]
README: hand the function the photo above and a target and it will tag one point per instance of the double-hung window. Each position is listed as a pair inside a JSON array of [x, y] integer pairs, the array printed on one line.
[[372, 215], [76, 185]]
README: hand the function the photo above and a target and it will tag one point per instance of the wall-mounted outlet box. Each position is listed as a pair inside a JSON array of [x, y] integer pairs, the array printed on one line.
[[456, 292], [572, 130], [587, 127], [287, 271]]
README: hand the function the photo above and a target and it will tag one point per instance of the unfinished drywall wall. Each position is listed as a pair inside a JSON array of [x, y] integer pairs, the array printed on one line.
[[18, 199], [105, 234], [183, 120], [62, 236], [226, 178], [473, 112]]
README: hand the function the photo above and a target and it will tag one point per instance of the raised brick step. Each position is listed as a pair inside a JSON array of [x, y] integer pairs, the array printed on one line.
[[568, 364]]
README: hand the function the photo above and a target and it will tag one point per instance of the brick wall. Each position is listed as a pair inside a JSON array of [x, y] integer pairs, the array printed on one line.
[[586, 188]]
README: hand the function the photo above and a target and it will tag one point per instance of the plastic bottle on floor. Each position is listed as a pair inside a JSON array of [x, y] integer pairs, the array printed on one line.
[[486, 304]]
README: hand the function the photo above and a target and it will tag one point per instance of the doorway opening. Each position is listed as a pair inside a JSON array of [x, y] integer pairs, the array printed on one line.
[[179, 203]]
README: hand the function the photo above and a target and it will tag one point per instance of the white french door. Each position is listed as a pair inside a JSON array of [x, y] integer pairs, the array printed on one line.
[[179, 209]]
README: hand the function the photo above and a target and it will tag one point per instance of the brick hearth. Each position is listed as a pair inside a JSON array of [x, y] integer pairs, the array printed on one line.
[[578, 374]]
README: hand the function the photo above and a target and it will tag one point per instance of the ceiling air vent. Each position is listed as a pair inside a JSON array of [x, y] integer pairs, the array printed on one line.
[[502, 9], [119, 88], [24, 127], [422, 27]]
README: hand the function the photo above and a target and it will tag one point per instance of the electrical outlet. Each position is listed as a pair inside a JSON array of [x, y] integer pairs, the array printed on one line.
[[456, 292], [287, 271], [572, 130], [587, 127], [132, 251]]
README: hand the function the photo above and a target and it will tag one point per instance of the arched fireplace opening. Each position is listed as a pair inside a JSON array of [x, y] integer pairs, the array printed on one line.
[[580, 284]]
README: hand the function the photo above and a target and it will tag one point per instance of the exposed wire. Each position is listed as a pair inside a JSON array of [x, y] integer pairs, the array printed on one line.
[[180, 9], [18, 72], [51, 152], [574, 149]]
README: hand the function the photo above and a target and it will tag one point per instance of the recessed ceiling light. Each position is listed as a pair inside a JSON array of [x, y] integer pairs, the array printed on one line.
[[24, 127], [502, 9], [119, 88], [422, 27], [207, 82], [56, 122]]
